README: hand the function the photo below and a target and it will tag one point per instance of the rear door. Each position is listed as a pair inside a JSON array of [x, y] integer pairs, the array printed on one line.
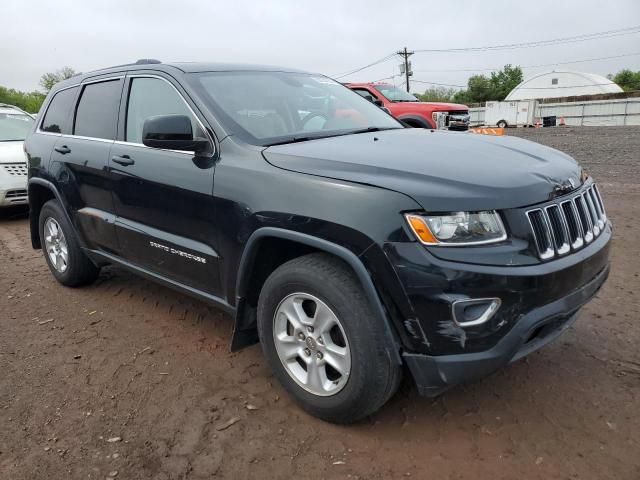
[[163, 199], [79, 161]]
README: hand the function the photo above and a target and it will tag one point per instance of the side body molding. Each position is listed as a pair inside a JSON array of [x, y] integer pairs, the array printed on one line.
[[244, 332]]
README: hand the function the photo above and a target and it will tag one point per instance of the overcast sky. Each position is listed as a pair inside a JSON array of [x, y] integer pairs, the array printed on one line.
[[327, 36]]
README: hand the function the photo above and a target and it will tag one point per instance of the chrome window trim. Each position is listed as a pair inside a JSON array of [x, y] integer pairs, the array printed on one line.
[[124, 142], [204, 129], [99, 80], [41, 120], [82, 137]]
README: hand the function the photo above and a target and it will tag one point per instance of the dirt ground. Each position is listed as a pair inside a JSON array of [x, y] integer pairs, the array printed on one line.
[[127, 376]]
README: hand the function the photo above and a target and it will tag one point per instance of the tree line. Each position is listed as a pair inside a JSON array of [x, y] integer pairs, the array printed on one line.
[[32, 101], [482, 88]]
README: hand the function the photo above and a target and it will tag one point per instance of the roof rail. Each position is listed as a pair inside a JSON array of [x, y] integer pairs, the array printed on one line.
[[147, 61]]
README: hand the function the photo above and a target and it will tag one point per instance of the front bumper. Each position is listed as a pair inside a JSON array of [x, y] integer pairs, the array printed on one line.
[[435, 374], [13, 185]]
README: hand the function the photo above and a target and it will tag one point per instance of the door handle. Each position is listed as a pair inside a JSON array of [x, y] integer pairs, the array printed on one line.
[[123, 160], [63, 149]]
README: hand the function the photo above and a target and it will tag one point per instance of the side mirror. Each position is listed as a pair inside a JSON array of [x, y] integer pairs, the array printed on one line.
[[378, 103], [172, 132]]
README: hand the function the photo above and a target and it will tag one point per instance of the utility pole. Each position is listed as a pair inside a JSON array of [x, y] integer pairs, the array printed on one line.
[[407, 65]]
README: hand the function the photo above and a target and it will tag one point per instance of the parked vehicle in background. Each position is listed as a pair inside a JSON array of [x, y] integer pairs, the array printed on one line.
[[413, 112], [520, 113], [14, 126], [348, 245]]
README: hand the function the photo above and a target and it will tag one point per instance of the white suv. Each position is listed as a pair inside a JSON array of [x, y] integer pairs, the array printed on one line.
[[14, 125]]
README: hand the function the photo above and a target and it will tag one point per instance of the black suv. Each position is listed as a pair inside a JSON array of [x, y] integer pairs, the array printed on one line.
[[347, 245]]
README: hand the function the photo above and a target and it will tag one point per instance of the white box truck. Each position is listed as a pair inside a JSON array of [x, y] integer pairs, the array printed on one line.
[[520, 113]]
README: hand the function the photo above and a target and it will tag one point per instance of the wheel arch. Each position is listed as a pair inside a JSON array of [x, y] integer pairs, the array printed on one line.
[[40, 191], [245, 331]]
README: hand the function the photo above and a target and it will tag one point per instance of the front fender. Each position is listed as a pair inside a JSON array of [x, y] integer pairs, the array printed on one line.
[[247, 261]]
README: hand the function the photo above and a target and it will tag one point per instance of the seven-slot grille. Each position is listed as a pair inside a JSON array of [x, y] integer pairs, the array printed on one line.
[[19, 169], [568, 224]]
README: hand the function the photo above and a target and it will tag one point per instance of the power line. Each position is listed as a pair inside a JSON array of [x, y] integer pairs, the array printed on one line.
[[439, 84], [538, 43], [531, 66], [383, 59]]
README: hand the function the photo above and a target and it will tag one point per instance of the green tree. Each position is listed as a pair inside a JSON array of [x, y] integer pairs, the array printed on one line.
[[505, 80], [481, 88], [437, 94], [627, 79], [28, 101], [478, 90], [48, 80]]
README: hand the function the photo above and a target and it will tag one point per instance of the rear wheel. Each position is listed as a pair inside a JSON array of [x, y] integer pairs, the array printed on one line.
[[502, 124], [66, 260], [322, 340]]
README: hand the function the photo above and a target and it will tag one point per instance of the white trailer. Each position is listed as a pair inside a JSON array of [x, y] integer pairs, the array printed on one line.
[[518, 113]]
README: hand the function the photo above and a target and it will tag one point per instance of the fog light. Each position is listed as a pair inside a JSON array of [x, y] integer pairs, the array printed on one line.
[[474, 311]]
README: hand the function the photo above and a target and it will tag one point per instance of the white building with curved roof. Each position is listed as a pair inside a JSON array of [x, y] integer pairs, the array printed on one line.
[[557, 84]]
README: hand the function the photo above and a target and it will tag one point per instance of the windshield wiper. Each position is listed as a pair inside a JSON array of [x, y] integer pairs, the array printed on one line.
[[291, 140], [318, 137], [369, 129]]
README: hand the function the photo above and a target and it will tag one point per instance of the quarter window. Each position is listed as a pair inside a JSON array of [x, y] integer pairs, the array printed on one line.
[[150, 97], [97, 112], [56, 120]]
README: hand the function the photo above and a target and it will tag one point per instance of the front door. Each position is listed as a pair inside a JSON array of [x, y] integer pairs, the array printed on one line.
[[165, 219]]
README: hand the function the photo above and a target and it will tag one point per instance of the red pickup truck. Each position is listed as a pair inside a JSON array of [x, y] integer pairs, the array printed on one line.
[[412, 111]]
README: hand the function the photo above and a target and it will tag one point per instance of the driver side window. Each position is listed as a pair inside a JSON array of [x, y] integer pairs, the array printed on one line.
[[149, 97]]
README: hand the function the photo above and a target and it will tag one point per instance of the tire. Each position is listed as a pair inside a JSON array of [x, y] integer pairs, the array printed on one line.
[[502, 124], [77, 269], [321, 285]]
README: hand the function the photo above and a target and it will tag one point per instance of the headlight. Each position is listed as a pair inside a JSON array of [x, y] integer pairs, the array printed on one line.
[[458, 228]]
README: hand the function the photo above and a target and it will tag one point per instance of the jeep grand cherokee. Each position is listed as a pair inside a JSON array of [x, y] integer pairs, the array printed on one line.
[[347, 245]]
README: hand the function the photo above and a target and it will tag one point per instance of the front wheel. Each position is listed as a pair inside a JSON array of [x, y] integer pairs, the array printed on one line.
[[502, 124], [322, 340]]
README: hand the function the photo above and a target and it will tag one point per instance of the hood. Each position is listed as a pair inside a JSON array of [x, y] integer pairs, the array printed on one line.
[[11, 152], [442, 171], [439, 106]]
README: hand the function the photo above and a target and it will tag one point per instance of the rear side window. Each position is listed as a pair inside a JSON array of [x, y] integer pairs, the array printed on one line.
[[56, 120], [97, 112]]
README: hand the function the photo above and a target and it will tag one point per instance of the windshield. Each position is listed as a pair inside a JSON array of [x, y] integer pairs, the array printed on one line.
[[266, 108], [394, 94], [14, 125]]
